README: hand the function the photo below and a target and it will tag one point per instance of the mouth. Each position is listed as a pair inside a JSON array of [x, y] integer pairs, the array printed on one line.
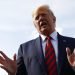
[[43, 24]]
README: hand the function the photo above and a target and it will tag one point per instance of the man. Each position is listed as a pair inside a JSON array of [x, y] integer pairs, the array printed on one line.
[[31, 58]]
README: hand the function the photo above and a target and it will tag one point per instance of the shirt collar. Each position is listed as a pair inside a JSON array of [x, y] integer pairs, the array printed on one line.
[[53, 35]]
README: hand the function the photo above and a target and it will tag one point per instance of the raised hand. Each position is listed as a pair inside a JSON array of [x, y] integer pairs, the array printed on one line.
[[8, 64], [71, 57]]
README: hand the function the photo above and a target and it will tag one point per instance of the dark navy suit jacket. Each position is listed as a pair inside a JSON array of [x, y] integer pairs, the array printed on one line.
[[30, 59]]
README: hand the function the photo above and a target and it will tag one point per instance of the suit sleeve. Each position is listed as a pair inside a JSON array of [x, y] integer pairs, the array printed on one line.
[[21, 69]]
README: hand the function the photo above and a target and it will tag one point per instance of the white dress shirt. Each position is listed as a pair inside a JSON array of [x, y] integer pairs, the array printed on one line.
[[54, 42]]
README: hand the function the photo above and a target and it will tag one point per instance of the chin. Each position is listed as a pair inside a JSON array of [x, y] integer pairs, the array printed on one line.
[[44, 29], [44, 32]]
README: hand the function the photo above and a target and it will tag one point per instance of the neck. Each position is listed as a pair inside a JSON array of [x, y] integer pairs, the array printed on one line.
[[47, 33]]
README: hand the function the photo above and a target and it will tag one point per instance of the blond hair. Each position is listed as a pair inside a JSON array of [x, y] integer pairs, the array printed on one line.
[[45, 7]]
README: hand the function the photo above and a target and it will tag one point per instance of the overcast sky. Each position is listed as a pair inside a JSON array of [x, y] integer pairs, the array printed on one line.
[[16, 24]]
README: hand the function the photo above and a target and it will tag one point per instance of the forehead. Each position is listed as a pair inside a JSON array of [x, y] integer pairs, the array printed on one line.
[[40, 11]]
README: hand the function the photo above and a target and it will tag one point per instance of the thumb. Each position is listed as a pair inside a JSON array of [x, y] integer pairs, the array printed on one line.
[[68, 51]]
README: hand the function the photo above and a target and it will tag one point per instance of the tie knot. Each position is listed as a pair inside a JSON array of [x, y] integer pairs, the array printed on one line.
[[48, 38]]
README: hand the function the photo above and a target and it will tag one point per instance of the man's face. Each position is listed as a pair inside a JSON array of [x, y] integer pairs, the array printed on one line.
[[44, 21]]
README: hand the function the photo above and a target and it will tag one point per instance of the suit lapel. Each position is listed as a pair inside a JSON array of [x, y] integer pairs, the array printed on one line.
[[61, 52], [40, 55]]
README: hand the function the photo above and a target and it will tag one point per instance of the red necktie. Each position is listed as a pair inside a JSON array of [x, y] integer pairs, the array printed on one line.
[[50, 58]]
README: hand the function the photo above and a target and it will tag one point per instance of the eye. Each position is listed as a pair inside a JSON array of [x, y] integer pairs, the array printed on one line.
[[37, 17], [40, 15]]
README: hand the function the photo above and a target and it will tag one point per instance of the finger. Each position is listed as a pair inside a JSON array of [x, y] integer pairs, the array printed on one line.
[[2, 60], [74, 51], [14, 57], [68, 51], [4, 68], [3, 54]]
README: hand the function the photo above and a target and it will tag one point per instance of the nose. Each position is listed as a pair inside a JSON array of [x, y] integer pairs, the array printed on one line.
[[40, 17]]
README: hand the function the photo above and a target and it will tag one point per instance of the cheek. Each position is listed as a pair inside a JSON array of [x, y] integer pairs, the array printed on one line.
[[35, 23], [37, 26]]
